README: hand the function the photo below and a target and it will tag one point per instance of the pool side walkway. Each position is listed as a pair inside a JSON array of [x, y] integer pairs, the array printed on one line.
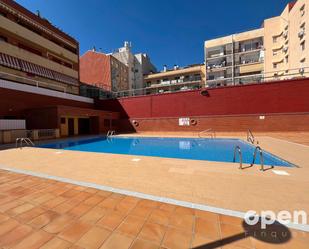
[[49, 214]]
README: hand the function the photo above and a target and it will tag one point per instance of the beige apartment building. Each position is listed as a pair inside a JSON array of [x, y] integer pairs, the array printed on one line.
[[176, 79], [277, 50], [34, 52]]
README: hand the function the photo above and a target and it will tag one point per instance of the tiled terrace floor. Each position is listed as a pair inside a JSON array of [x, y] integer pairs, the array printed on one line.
[[42, 213]]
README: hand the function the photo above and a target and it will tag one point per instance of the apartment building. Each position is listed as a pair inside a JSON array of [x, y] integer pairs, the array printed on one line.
[[104, 71], [277, 50], [176, 79], [34, 52], [138, 65]]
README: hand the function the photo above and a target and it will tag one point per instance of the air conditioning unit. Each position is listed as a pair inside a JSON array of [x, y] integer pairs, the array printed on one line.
[[302, 70], [285, 49], [301, 33]]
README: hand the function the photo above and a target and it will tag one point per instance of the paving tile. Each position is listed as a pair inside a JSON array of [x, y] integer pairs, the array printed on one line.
[[144, 244], [103, 193], [109, 203], [205, 243], [184, 222], [10, 205], [64, 207], [228, 231], [3, 217], [175, 238], [34, 240], [58, 224], [82, 196], [93, 215], [56, 243], [225, 219], [30, 214], [20, 209], [167, 207], [132, 225], [93, 200], [79, 210], [43, 198], [207, 215], [142, 211], [75, 231], [70, 193], [54, 202], [124, 206], [12, 238], [7, 226], [184, 211], [111, 220], [117, 240], [152, 232], [148, 203], [91, 190], [207, 228], [43, 219], [94, 238], [160, 216]]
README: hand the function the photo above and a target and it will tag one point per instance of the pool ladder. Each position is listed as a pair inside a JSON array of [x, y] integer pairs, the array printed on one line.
[[250, 137], [111, 133], [257, 149], [210, 131], [20, 140]]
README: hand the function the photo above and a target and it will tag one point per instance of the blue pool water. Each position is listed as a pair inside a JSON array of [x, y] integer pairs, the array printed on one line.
[[221, 150]]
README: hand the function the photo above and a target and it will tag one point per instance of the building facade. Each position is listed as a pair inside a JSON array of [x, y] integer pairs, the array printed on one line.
[[138, 65], [104, 71], [176, 79], [277, 50], [34, 52]]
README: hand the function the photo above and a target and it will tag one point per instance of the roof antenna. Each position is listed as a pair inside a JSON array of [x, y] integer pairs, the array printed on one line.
[[38, 13]]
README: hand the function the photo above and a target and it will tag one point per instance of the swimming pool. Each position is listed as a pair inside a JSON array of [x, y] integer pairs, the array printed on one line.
[[218, 149]]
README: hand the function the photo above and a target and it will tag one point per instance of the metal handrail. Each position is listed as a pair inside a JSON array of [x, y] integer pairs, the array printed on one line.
[[210, 130], [110, 133], [250, 137], [240, 156], [27, 141], [258, 148]]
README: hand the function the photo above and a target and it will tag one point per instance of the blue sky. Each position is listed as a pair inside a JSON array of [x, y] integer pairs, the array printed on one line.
[[170, 31]]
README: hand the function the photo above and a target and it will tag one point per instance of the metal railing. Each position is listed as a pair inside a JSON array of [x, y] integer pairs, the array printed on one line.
[[110, 133], [46, 133], [250, 137], [19, 142], [258, 148], [237, 148], [210, 131]]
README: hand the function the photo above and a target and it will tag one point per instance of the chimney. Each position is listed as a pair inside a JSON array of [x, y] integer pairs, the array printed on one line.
[[164, 68]]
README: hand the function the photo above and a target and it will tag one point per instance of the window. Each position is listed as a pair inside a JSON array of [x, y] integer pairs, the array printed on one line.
[[286, 59], [275, 39], [274, 65], [302, 10], [303, 46]]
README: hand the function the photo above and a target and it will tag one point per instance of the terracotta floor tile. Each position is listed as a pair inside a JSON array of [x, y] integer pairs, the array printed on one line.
[[228, 230], [225, 219], [117, 196], [76, 247], [148, 203], [70, 193], [93, 200], [94, 238], [132, 225], [30, 214], [82, 196], [7, 226], [93, 215], [3, 217], [43, 219], [60, 190], [103, 193], [91, 190], [111, 220], [64, 207], [20, 209], [144, 244], [109, 203], [79, 210], [56, 243], [207, 215], [175, 238], [167, 207], [131, 199], [184, 222], [75, 231], [124, 206], [152, 232], [205, 243], [207, 228], [43, 198], [58, 224], [160, 216], [10, 205], [141, 211], [12, 238], [54, 202], [184, 210], [34, 240], [117, 240]]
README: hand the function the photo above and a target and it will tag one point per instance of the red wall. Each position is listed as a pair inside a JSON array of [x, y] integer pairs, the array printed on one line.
[[277, 97]]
